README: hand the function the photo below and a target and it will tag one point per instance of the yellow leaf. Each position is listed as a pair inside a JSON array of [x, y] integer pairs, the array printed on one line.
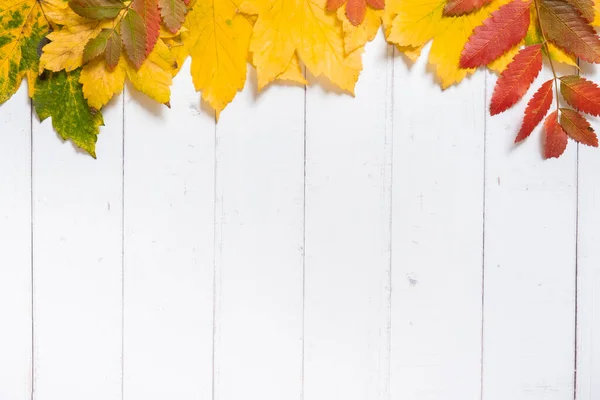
[[416, 22], [155, 76], [294, 72], [500, 64], [355, 37], [217, 38], [65, 50], [100, 84], [286, 28]]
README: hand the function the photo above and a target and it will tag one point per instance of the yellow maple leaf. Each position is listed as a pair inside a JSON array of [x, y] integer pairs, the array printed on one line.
[[302, 28], [154, 77], [413, 23], [217, 37]]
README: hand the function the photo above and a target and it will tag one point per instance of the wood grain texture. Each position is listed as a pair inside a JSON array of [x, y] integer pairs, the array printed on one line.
[[77, 259], [437, 222], [588, 265], [530, 239], [346, 315], [15, 248], [259, 256], [168, 263]]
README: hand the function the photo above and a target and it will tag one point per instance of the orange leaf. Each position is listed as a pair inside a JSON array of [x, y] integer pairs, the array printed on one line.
[[577, 127], [455, 8], [504, 29], [567, 28], [555, 139], [148, 10], [536, 109], [516, 79], [581, 94]]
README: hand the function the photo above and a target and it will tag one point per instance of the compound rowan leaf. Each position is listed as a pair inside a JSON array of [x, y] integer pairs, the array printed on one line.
[[22, 28], [581, 94], [577, 127], [586, 7], [172, 13], [59, 95], [536, 110], [114, 46], [555, 137], [534, 36], [97, 9], [135, 37], [285, 29], [516, 79], [454, 8], [567, 28], [96, 46], [504, 29], [150, 14]]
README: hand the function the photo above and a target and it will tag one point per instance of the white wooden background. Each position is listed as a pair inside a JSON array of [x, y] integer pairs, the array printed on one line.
[[309, 246]]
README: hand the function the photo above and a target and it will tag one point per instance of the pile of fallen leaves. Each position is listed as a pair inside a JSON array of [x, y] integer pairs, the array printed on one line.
[[77, 54]]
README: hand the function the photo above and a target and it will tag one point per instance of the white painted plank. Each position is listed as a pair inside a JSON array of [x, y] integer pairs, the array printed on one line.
[[15, 247], [348, 155], [588, 265], [259, 256], [169, 217], [529, 263], [437, 236], [77, 264]]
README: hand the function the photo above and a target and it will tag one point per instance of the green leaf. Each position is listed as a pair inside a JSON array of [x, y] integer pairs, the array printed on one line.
[[133, 33], [59, 95], [96, 46], [97, 9]]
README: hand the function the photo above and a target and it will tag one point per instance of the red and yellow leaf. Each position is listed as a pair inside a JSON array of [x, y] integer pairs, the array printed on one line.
[[356, 10], [148, 10], [503, 30], [581, 94], [536, 109], [577, 127], [516, 79], [565, 26]]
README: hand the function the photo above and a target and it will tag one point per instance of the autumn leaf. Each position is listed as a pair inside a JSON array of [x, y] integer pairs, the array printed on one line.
[[577, 127], [536, 110], [411, 24], [504, 29], [135, 38], [356, 10], [516, 79], [567, 28], [555, 141], [455, 8], [97, 9], [22, 28], [534, 36], [581, 94], [59, 96], [173, 13], [150, 16], [304, 28], [356, 37]]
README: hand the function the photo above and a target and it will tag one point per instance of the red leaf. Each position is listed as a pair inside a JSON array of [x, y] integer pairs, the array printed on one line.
[[581, 94], [556, 138], [504, 29], [455, 8], [148, 10], [536, 109], [356, 11], [516, 79], [333, 5], [378, 4], [577, 127], [568, 29]]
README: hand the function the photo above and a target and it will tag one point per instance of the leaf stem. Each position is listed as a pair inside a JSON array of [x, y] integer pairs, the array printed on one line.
[[545, 43]]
